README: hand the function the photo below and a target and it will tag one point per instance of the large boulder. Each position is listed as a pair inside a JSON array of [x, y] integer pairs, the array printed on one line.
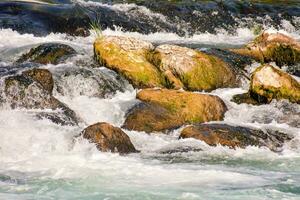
[[22, 91], [127, 56], [53, 53], [109, 138], [167, 109], [268, 82], [235, 136], [192, 69], [273, 47]]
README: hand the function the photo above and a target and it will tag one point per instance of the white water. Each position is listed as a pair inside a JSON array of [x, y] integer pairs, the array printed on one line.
[[40, 160]]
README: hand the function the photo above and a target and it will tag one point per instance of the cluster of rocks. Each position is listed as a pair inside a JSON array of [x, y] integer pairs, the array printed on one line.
[[178, 71], [168, 76]]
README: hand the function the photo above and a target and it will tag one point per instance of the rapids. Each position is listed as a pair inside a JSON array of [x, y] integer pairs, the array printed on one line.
[[40, 159]]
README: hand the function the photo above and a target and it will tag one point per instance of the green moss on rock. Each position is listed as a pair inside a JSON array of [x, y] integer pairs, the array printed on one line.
[[272, 83], [127, 56]]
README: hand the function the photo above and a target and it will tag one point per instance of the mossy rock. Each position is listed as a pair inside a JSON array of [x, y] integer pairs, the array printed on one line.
[[244, 98], [273, 47], [127, 56], [235, 136], [49, 53], [164, 109], [192, 69], [270, 83]]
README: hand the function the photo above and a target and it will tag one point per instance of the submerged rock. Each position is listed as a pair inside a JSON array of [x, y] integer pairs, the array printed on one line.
[[53, 53], [273, 47], [127, 56], [167, 109], [109, 138], [74, 81], [235, 136], [269, 83], [191, 69], [22, 91]]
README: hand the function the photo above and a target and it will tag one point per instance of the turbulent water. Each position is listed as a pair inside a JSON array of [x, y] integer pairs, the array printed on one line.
[[40, 160]]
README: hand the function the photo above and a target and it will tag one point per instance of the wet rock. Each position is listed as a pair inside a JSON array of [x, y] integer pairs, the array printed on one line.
[[236, 61], [191, 69], [168, 109], [23, 92], [53, 53], [244, 98], [273, 47], [127, 56], [44, 18], [269, 83], [294, 70], [235, 136], [109, 138], [42, 76], [88, 82]]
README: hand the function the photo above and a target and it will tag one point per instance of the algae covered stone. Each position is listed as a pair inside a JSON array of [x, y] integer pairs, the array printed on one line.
[[268, 82], [53, 53], [167, 109], [273, 47], [191, 69], [128, 56]]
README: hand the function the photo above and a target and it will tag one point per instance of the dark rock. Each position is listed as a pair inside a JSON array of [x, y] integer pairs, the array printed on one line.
[[44, 18], [235, 136], [245, 98], [42, 76], [53, 53], [23, 92], [236, 61], [89, 82], [109, 138]]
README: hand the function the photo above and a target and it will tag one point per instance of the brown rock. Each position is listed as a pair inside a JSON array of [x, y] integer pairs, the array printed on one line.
[[273, 47], [167, 109], [42, 76], [108, 138], [235, 136]]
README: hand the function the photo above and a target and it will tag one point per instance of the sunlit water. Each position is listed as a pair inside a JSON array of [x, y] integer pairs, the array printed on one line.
[[41, 160]]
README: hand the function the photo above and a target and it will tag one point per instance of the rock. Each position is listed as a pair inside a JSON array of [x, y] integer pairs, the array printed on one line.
[[237, 62], [192, 69], [273, 47], [23, 92], [109, 138], [235, 136], [53, 53], [42, 76], [127, 56], [268, 82], [244, 98], [167, 109], [75, 81]]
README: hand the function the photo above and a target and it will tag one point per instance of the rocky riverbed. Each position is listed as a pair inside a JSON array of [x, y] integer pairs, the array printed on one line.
[[170, 100]]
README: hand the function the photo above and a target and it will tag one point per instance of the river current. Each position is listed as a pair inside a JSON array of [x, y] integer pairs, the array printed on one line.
[[40, 159]]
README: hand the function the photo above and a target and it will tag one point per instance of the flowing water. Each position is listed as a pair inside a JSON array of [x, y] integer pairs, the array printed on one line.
[[40, 159]]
